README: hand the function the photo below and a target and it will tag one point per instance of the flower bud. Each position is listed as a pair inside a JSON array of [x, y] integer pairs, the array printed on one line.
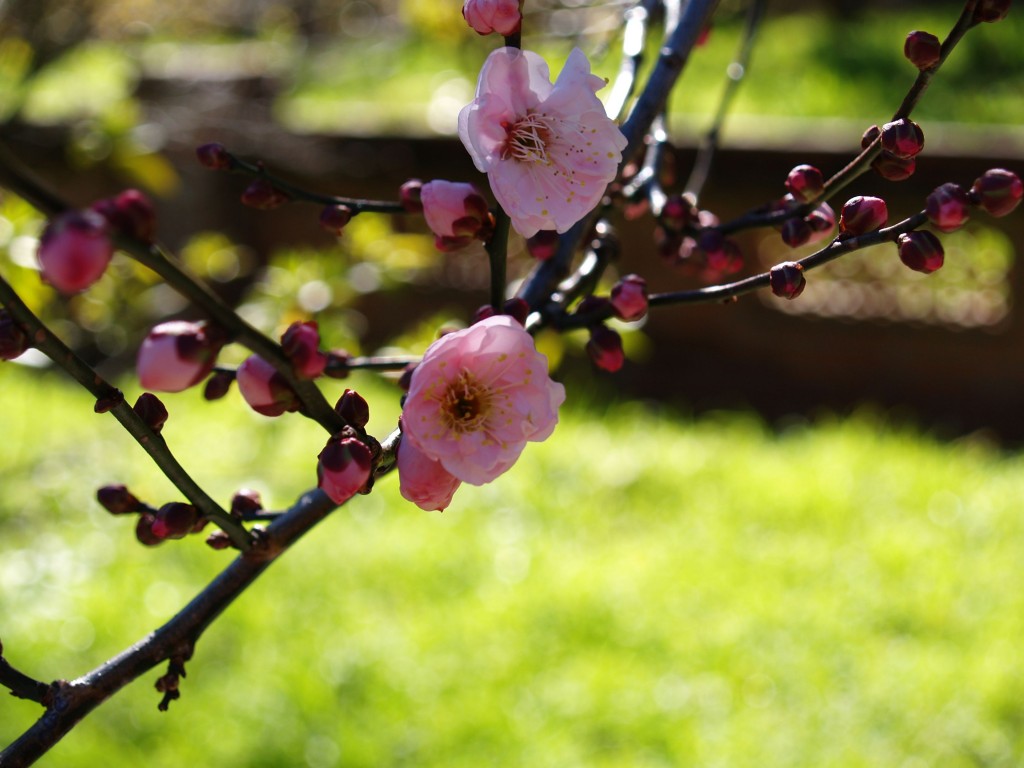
[[869, 136], [516, 308], [721, 255], [343, 468], [677, 213], [354, 409], [822, 220], [130, 213], [174, 521], [998, 191], [219, 540], [605, 348], [245, 502], [456, 213], [921, 251], [629, 297], [301, 344], [862, 214], [265, 390], [74, 250], [805, 183], [991, 11], [482, 313], [903, 138], [213, 156], [337, 364], [787, 279], [405, 379], [487, 16], [948, 207], [149, 408], [893, 168], [218, 385], [422, 480], [117, 500], [409, 195], [176, 355], [333, 218], [796, 232], [144, 530], [543, 245], [923, 49], [263, 196], [13, 341]]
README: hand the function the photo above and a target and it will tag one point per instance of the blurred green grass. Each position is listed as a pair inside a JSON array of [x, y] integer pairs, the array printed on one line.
[[642, 589]]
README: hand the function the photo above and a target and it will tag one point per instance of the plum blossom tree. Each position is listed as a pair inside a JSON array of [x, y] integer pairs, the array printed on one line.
[[561, 166]]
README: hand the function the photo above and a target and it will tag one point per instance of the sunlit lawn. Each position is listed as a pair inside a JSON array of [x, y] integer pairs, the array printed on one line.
[[641, 590]]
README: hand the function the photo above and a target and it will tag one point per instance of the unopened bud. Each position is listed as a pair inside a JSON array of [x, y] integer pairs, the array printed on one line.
[[787, 279], [176, 355], [948, 207], [862, 214], [265, 390], [74, 250], [893, 168], [805, 182], [174, 520], [409, 195], [109, 401], [677, 213], [354, 409], [517, 309], [117, 500], [923, 49], [405, 379], [482, 313], [796, 232], [13, 341], [605, 348], [721, 255], [246, 502], [903, 138], [337, 364], [921, 251], [333, 218], [144, 530], [822, 220], [629, 297], [149, 408], [213, 156], [263, 196], [218, 385], [991, 10], [998, 191], [219, 540], [343, 468], [543, 245], [301, 344], [130, 213]]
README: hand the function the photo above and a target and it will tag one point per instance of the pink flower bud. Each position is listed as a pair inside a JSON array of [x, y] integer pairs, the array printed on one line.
[[263, 196], [265, 390], [456, 213], [213, 156], [74, 250], [333, 218], [409, 195], [787, 279], [13, 341], [149, 408], [722, 255], [117, 500], [487, 16], [796, 232], [893, 168], [543, 245], [998, 191], [948, 207], [422, 480], [174, 521], [246, 502], [677, 213], [862, 214], [923, 49], [921, 251], [130, 213], [605, 348], [822, 221], [300, 344], [176, 355], [903, 138], [629, 297], [805, 183], [344, 468], [517, 309], [991, 11], [354, 409]]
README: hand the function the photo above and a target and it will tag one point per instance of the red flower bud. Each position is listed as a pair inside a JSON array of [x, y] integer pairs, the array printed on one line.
[[409, 196], [787, 279], [516, 308], [721, 255], [130, 213], [301, 344], [343, 468], [893, 168], [262, 196], [213, 156], [822, 220], [246, 502], [869, 136], [805, 183], [333, 218], [177, 355], [354, 409], [74, 250], [149, 408], [337, 364], [543, 245], [923, 49], [921, 251], [144, 530], [862, 214], [629, 297], [605, 348], [265, 390], [903, 138], [117, 500], [998, 191], [13, 341], [677, 213], [218, 385], [174, 521], [991, 11], [948, 207], [796, 232]]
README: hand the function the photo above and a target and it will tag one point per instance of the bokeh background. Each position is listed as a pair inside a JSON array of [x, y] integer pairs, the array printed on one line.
[[783, 535]]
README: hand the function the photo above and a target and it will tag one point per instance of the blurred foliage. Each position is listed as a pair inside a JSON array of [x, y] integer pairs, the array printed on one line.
[[842, 594]]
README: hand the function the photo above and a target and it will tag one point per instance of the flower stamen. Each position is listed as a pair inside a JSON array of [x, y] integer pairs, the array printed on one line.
[[466, 404], [528, 139]]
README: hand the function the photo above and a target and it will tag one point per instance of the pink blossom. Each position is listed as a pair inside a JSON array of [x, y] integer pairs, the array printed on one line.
[[549, 150], [343, 468], [264, 388], [74, 250], [455, 212], [423, 481], [301, 344], [176, 355], [478, 396], [629, 297], [486, 16]]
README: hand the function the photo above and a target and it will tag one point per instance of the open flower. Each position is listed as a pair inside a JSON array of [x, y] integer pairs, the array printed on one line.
[[487, 16], [549, 150], [478, 397]]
